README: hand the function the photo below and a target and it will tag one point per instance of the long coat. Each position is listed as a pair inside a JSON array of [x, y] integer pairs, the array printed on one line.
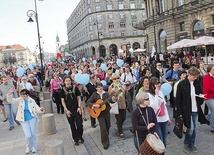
[[184, 102]]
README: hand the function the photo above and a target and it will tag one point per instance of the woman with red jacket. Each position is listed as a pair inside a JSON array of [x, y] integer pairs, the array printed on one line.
[[208, 88]]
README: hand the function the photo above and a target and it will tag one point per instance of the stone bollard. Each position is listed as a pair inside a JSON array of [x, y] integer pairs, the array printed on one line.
[[54, 147], [48, 124], [44, 89], [46, 95], [47, 104]]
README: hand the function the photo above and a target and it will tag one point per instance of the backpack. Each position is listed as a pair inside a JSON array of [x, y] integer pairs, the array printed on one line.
[[68, 93]]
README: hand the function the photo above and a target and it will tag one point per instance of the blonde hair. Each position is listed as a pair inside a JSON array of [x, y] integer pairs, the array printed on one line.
[[114, 76], [140, 97]]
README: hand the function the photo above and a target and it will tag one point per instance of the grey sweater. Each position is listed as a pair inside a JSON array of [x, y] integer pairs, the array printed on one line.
[[4, 89]]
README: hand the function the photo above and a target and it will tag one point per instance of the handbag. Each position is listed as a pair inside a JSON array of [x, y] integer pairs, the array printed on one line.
[[178, 128], [32, 93], [114, 108]]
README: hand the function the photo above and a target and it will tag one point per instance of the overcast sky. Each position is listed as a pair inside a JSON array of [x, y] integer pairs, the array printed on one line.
[[14, 28]]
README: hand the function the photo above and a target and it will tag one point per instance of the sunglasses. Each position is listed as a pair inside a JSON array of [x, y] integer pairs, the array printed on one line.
[[116, 78], [22, 93], [147, 99]]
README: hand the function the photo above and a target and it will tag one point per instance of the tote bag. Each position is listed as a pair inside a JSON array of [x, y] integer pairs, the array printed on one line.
[[178, 128], [114, 108]]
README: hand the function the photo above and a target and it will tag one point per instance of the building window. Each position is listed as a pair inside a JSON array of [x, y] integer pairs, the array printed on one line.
[[99, 26], [111, 25], [89, 10], [99, 17], [180, 2], [162, 41], [122, 16], [91, 37], [109, 7], [133, 16], [213, 19], [122, 34], [121, 6], [122, 25], [91, 28], [90, 19], [132, 6], [97, 8], [97, 1], [135, 33], [111, 34], [182, 26], [89, 1], [143, 14], [110, 16], [134, 23], [143, 5], [162, 2]]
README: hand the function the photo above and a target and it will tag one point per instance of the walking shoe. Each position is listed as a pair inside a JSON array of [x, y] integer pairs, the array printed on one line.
[[106, 147], [212, 131], [193, 149], [33, 150], [76, 143], [186, 148], [84, 119], [81, 140], [11, 128], [5, 120], [93, 126], [18, 123], [27, 151], [121, 135]]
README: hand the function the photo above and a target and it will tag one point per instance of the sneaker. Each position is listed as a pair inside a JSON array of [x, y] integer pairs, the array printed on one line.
[[76, 143], [186, 148], [18, 123], [84, 119], [194, 149], [33, 150], [27, 151]]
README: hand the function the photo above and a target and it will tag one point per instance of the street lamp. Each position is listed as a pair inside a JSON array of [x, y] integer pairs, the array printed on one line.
[[31, 14], [153, 14], [98, 36]]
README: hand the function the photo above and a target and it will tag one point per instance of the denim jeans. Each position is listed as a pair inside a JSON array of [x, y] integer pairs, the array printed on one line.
[[191, 132], [163, 131], [29, 128], [210, 104], [11, 110]]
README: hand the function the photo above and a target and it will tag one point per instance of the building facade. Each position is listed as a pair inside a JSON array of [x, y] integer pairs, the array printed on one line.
[[101, 27], [169, 21], [15, 55]]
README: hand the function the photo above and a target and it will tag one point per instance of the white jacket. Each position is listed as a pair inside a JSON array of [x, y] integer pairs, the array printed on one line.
[[33, 107]]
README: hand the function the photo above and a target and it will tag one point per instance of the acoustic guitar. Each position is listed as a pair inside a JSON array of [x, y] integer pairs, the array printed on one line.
[[95, 112]]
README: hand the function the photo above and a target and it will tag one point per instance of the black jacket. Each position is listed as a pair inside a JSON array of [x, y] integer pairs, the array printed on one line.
[[183, 100]]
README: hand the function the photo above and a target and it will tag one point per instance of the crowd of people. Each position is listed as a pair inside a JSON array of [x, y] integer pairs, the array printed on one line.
[[124, 84]]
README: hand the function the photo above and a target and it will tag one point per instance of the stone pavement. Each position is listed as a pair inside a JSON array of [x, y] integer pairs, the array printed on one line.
[[13, 142]]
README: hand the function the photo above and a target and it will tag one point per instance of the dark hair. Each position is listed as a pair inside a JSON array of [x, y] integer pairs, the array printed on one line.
[[144, 71], [25, 91], [152, 82], [209, 67], [141, 82], [181, 72], [98, 84], [65, 77]]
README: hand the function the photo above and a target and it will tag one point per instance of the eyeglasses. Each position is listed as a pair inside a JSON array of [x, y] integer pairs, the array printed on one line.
[[158, 82], [23, 94], [147, 99], [116, 78]]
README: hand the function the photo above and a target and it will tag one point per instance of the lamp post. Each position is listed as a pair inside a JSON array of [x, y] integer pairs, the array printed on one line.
[[98, 36], [153, 14], [31, 14]]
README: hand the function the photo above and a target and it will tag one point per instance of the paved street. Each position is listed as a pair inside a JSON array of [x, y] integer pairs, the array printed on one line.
[[13, 142]]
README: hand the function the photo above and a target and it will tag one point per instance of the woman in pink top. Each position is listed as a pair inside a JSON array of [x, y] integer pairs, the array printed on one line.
[[55, 88]]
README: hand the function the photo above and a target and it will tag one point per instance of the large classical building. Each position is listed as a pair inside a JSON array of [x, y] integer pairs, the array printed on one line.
[[169, 21], [15, 55], [101, 27]]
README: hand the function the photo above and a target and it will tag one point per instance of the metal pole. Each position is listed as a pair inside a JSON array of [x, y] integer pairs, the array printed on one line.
[[98, 37], [40, 50], [153, 12]]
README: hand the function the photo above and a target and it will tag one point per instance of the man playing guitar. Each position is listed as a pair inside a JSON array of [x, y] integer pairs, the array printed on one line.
[[104, 117]]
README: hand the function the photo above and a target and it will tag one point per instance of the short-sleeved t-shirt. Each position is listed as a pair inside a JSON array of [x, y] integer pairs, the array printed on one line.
[[71, 99]]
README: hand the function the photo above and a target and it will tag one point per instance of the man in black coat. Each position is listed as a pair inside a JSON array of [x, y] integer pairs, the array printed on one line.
[[187, 104]]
